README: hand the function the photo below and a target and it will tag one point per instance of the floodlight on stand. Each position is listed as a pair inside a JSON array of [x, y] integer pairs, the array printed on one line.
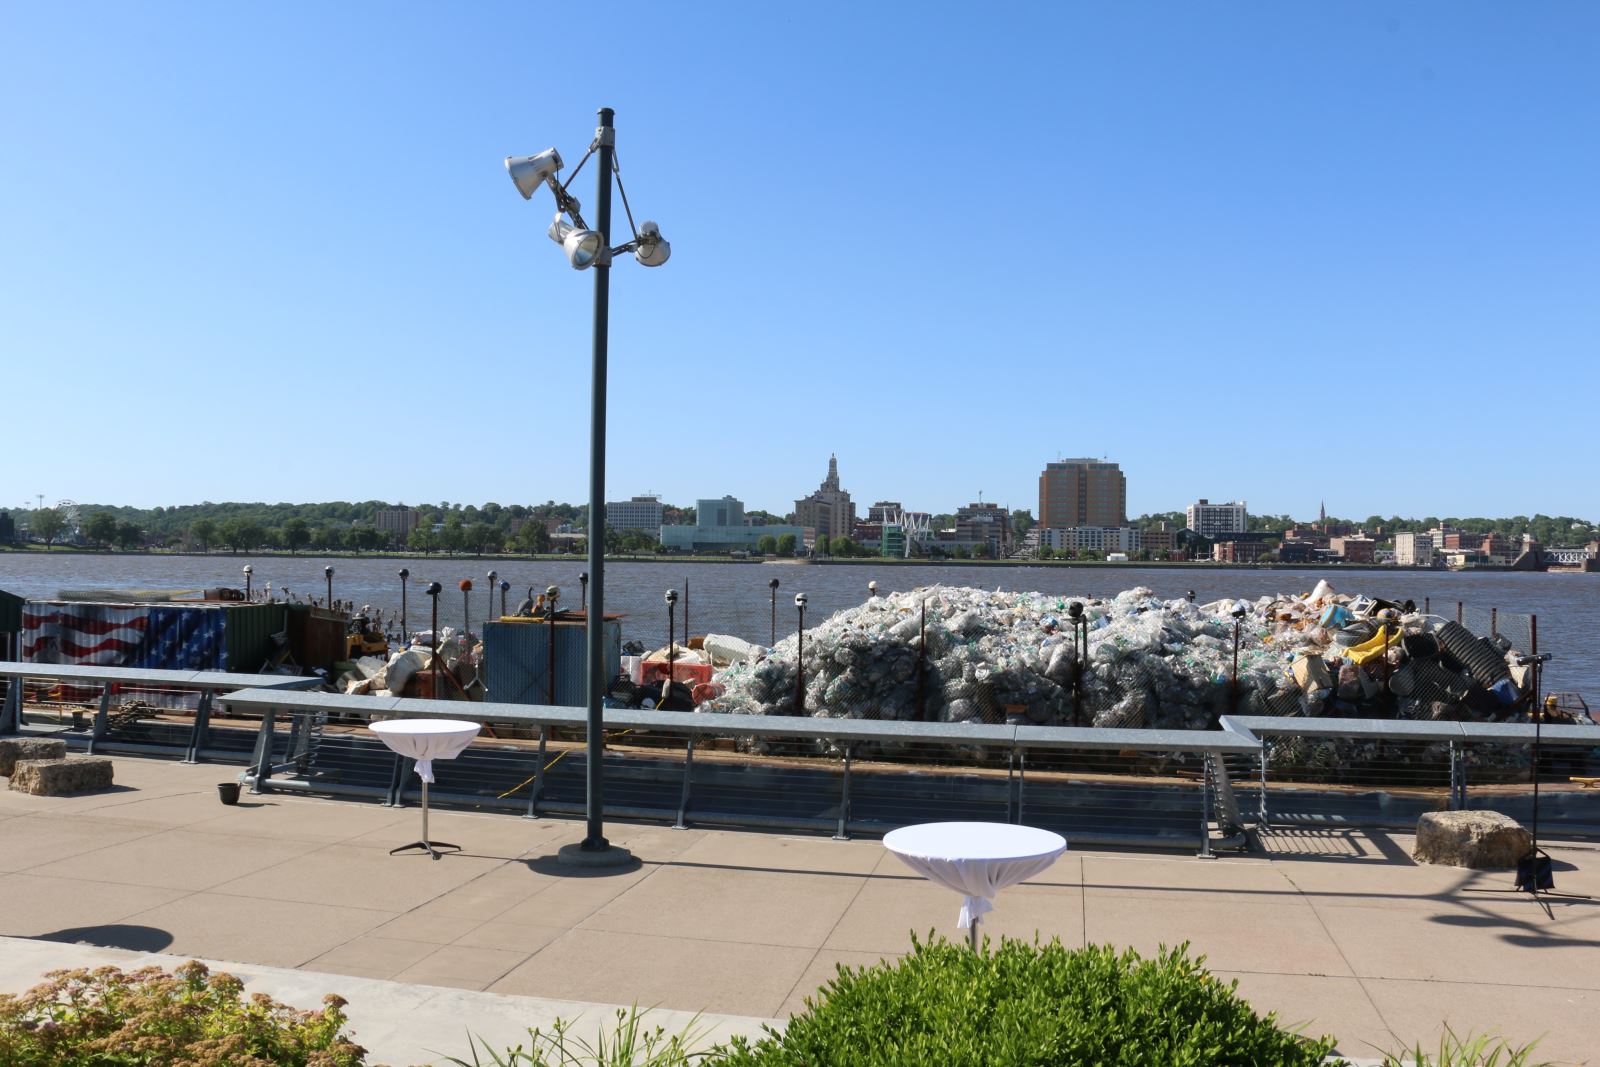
[[651, 249], [584, 248], [530, 172]]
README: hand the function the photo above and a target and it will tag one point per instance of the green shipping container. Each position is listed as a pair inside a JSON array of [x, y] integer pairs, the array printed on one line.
[[247, 634]]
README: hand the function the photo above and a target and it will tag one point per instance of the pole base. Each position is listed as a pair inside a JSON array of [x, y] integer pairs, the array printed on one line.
[[430, 847], [575, 855]]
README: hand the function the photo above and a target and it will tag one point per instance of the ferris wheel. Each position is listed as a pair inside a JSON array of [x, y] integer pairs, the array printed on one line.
[[69, 511]]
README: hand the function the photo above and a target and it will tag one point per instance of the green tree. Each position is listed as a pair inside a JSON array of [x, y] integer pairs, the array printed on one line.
[[296, 534], [328, 538], [129, 536], [46, 524], [767, 545], [241, 535], [483, 537], [1021, 523], [534, 537], [821, 545], [844, 546], [786, 545], [423, 540], [101, 529], [453, 537], [204, 533]]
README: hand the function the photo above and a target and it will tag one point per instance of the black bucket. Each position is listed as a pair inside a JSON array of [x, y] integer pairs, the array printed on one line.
[[228, 792]]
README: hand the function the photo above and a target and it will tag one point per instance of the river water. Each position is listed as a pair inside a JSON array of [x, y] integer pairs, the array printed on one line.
[[735, 598]]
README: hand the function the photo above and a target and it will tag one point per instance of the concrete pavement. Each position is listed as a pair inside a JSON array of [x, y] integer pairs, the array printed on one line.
[[1338, 930]]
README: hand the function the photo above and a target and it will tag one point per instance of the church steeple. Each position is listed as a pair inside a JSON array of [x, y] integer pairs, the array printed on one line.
[[832, 481]]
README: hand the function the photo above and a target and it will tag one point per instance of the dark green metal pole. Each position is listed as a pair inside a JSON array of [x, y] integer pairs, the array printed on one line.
[[594, 620]]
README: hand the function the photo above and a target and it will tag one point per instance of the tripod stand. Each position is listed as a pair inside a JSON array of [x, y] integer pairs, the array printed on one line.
[[1535, 874]]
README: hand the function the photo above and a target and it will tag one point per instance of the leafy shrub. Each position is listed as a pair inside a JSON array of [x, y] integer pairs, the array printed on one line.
[[190, 1018], [1027, 1003]]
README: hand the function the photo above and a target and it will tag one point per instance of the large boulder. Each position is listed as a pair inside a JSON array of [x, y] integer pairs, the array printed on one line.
[[13, 749], [1479, 839], [53, 777]]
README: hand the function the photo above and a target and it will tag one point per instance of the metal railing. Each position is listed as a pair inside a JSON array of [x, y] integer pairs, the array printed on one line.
[[1387, 772], [846, 776], [142, 726]]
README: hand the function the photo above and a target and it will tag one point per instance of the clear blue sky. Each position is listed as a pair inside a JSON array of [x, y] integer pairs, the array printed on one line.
[[1285, 252]]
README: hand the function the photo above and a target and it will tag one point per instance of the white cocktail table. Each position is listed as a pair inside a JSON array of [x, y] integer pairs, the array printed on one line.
[[426, 740], [976, 859]]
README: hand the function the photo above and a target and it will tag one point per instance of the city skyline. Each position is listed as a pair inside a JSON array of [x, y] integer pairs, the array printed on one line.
[[1285, 254]]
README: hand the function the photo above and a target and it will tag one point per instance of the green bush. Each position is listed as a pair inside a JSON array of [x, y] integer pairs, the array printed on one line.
[[191, 1018], [1027, 1003]]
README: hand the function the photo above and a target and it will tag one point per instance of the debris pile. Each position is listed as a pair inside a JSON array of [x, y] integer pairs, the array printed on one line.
[[1133, 661]]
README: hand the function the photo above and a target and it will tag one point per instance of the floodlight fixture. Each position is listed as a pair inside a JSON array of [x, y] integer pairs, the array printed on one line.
[[530, 172], [650, 248], [1239, 612], [584, 248], [672, 596], [800, 600]]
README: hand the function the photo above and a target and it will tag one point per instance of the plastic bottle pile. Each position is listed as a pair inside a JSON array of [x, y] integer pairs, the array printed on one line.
[[1010, 657]]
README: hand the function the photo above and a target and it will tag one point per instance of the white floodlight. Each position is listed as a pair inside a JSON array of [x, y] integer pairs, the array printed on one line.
[[530, 172], [652, 250], [584, 248]]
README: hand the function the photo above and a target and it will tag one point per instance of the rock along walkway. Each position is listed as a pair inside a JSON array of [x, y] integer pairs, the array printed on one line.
[[1337, 930]]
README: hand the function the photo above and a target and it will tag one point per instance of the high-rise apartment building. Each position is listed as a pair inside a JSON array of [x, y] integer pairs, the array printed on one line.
[[1211, 520], [1082, 492], [829, 511], [640, 513], [396, 523]]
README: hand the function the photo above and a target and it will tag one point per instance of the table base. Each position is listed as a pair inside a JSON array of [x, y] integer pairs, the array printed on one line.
[[430, 847]]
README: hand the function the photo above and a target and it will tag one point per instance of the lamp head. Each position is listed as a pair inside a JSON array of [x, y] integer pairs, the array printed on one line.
[[583, 577], [1075, 609], [530, 172], [672, 597], [651, 249], [405, 573], [872, 588], [465, 585], [492, 577], [552, 593], [433, 589], [327, 572], [584, 248], [1239, 612], [800, 601], [249, 569], [773, 584], [504, 585]]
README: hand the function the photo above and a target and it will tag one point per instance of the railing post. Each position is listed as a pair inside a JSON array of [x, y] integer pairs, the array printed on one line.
[[263, 753], [1263, 822], [397, 782], [1205, 852], [1455, 778], [102, 713], [538, 773], [11, 717], [1022, 780], [842, 833], [202, 723], [688, 768]]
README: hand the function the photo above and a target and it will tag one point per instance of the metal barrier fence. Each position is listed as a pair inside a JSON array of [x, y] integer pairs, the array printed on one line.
[[151, 711], [1167, 788], [1386, 773]]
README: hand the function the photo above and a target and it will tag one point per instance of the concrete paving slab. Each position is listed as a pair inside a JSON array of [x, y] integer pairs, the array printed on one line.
[[371, 956], [1232, 935], [729, 904], [669, 972], [1566, 1022], [344, 875], [38, 838], [523, 937], [1508, 944], [305, 819], [888, 910], [1162, 878], [462, 966], [779, 853], [1317, 1006], [177, 859], [275, 933], [35, 906], [428, 926]]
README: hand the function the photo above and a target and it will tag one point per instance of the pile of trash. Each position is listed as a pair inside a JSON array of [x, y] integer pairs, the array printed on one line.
[[459, 657], [1133, 661]]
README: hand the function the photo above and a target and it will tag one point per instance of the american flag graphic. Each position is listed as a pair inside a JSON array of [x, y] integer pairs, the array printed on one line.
[[157, 637]]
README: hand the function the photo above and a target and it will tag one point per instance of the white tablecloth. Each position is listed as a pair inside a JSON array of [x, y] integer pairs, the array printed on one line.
[[976, 859], [426, 740]]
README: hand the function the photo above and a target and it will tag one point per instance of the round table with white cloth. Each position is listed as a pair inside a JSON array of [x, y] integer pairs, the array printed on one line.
[[976, 859], [426, 740]]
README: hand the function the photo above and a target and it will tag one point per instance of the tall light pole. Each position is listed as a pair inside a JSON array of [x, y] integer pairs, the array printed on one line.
[[583, 591], [247, 572], [488, 613], [404, 574], [327, 572], [800, 657], [773, 585], [584, 249]]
